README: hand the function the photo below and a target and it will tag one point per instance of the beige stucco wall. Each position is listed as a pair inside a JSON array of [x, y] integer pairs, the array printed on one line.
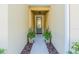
[[4, 26], [74, 23], [57, 26], [15, 36], [17, 27]]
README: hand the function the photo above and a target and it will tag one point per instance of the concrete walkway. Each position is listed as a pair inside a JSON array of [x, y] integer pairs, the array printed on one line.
[[39, 46]]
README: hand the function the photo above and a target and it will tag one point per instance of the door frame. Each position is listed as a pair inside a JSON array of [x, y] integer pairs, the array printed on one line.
[[36, 23]]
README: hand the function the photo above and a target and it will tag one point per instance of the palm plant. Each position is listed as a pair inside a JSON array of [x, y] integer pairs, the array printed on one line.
[[47, 35], [30, 35]]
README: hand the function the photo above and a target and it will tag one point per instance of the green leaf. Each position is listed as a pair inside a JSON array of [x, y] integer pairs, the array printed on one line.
[[2, 50], [47, 35]]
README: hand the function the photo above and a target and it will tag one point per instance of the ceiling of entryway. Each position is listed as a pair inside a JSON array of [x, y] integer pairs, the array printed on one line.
[[39, 12]]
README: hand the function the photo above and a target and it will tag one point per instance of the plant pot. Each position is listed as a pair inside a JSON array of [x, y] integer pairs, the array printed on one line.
[[31, 40], [47, 41]]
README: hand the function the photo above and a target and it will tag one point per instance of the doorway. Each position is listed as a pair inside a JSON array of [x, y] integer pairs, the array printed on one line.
[[38, 20], [38, 24]]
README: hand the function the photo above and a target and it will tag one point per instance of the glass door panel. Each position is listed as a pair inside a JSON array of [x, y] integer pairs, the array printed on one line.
[[39, 24]]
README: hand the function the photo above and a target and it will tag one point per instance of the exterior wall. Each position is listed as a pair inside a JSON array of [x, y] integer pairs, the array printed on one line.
[[17, 27], [13, 33], [57, 26], [4, 26], [74, 23]]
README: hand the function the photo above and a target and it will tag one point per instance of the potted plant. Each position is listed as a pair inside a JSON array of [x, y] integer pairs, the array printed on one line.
[[2, 50], [47, 36], [75, 48], [31, 36]]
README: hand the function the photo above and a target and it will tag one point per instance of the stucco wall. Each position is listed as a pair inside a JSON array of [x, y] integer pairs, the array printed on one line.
[[17, 27], [57, 26], [74, 23], [4, 26]]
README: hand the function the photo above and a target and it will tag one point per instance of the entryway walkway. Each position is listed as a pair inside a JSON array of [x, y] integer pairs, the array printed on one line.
[[39, 46]]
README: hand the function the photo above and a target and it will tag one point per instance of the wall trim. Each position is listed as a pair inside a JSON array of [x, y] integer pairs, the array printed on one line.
[[67, 40]]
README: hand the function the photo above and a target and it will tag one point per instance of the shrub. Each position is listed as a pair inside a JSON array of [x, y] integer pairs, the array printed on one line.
[[2, 50], [75, 48]]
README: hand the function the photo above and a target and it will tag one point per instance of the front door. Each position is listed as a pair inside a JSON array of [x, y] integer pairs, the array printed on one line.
[[38, 19]]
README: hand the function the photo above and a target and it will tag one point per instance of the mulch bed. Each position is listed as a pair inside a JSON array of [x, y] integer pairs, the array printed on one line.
[[51, 48], [27, 48]]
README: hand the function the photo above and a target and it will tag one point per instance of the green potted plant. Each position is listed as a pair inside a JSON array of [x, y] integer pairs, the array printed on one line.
[[31, 36], [2, 50], [47, 36], [75, 48]]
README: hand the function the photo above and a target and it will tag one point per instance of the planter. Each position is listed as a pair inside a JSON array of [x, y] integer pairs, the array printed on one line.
[[47, 41], [47, 36], [31, 36], [31, 40]]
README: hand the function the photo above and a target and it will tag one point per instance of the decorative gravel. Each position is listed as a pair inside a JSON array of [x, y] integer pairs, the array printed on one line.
[[51, 48], [27, 48]]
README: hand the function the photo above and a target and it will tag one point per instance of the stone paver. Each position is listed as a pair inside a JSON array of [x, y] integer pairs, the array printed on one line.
[[39, 46]]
